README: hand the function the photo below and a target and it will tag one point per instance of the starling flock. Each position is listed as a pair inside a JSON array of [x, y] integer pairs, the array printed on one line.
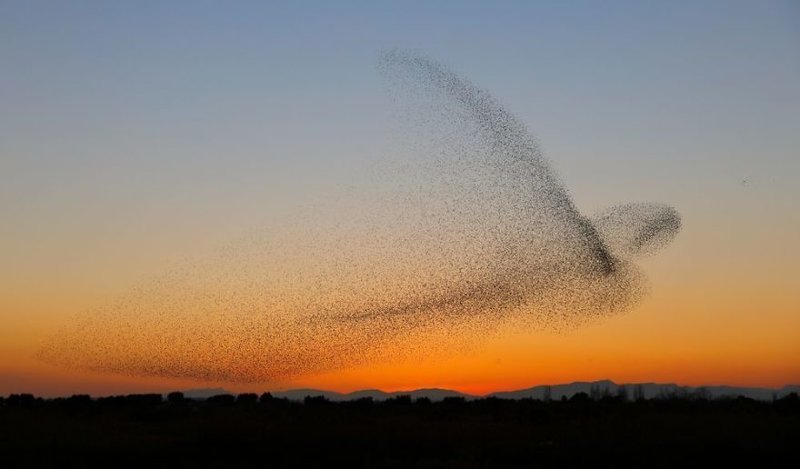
[[478, 234]]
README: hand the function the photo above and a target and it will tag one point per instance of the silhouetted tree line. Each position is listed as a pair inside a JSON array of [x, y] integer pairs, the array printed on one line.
[[597, 428], [252, 399]]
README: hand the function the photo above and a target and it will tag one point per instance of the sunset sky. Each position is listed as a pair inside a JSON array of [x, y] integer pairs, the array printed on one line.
[[137, 136]]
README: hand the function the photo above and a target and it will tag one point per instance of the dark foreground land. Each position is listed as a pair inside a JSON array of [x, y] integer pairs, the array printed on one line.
[[248, 430]]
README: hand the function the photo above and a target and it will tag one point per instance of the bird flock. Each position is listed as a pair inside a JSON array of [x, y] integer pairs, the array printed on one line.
[[477, 234]]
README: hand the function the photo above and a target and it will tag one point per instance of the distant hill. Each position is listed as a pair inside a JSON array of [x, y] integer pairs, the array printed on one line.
[[203, 393], [557, 391], [649, 390], [375, 394]]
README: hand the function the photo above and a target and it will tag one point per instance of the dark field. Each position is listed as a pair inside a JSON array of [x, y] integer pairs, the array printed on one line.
[[249, 430]]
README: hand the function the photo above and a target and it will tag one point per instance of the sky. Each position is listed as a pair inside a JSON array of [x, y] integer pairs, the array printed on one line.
[[136, 135]]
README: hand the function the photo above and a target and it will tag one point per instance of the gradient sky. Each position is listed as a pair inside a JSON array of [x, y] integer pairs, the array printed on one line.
[[134, 135]]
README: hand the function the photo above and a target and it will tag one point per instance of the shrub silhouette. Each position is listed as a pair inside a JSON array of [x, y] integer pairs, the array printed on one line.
[[221, 399], [580, 397], [247, 399], [316, 401]]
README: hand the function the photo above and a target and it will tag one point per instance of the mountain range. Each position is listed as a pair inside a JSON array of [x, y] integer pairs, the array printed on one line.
[[556, 391]]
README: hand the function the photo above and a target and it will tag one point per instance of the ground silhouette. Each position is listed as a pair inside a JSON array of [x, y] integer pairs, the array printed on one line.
[[247, 430]]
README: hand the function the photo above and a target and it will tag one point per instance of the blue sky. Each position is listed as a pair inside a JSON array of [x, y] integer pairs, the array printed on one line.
[[177, 113]]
